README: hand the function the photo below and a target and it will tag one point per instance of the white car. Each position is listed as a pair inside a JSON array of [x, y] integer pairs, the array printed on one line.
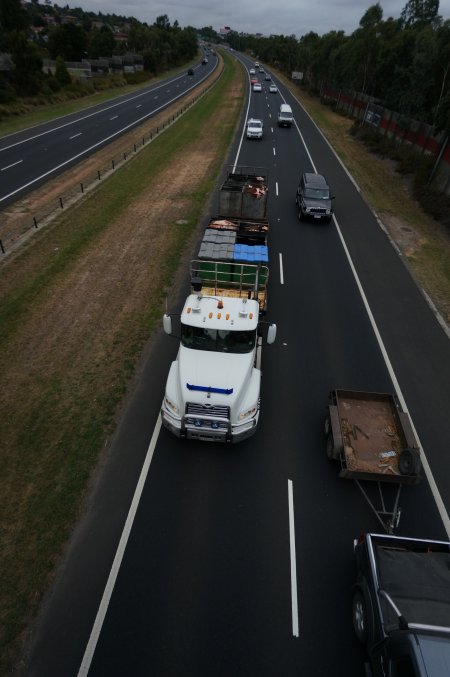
[[273, 88], [257, 87], [254, 129], [252, 71]]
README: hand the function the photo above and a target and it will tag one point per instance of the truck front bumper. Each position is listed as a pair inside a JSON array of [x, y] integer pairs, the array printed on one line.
[[232, 433]]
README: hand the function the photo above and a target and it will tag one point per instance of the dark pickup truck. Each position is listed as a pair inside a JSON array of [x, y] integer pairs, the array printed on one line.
[[401, 605]]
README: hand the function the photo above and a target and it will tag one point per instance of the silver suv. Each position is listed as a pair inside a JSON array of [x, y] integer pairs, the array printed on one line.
[[254, 129], [314, 198]]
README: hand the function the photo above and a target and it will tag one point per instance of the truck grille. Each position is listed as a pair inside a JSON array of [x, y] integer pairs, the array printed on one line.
[[192, 409], [206, 418], [318, 210]]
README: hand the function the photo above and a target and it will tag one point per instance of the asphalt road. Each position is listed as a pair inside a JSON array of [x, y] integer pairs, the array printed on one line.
[[201, 584], [30, 157]]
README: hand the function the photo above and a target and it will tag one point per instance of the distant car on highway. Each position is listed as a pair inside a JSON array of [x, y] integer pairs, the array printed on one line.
[[267, 77], [254, 129], [257, 87], [190, 71], [314, 198], [273, 89], [252, 71]]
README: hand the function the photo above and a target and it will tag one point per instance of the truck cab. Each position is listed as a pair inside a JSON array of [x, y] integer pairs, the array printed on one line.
[[213, 387]]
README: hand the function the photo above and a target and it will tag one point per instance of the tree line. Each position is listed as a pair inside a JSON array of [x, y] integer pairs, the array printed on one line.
[[28, 37], [403, 63]]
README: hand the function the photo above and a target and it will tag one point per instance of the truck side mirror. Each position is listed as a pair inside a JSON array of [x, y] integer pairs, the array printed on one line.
[[167, 324], [271, 333]]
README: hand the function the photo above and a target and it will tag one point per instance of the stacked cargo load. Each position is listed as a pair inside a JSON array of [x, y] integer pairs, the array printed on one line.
[[235, 240], [233, 255], [244, 193]]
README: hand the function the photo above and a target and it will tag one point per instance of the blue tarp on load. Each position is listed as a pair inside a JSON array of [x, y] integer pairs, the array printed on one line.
[[251, 253]]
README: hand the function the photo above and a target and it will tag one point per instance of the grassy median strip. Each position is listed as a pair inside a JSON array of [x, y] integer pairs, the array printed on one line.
[[77, 305]]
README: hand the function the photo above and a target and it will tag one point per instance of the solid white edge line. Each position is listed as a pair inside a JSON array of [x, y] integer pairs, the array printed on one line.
[[429, 475], [102, 110], [103, 608], [281, 268], [86, 150], [325, 139], [293, 560]]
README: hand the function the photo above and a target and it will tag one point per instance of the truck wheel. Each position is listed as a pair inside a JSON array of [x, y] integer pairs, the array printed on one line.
[[327, 426], [409, 462], [359, 616], [300, 215], [330, 447]]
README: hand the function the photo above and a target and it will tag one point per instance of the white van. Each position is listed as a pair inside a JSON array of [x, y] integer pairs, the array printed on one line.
[[285, 116]]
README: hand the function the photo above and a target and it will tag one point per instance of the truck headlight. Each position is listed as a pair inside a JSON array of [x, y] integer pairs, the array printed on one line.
[[171, 405], [248, 413]]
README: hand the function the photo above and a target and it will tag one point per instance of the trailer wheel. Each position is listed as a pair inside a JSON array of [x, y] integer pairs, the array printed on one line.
[[359, 616], [409, 462], [330, 447], [327, 426]]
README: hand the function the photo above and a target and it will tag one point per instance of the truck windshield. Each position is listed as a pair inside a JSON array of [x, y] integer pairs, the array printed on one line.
[[218, 340], [317, 193]]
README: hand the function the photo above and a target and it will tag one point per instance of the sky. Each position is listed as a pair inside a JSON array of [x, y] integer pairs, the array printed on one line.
[[291, 17]]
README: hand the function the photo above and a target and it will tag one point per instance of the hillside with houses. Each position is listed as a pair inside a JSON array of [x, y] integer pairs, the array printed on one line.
[[46, 50]]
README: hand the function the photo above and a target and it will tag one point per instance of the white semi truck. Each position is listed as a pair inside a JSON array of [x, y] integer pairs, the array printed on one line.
[[213, 388]]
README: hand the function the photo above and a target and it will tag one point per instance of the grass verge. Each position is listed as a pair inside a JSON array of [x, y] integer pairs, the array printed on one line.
[[77, 305]]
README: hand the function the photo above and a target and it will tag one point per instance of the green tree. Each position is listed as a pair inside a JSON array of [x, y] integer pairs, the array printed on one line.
[[12, 16], [27, 75], [416, 98], [61, 73], [208, 33], [101, 43], [68, 41], [363, 52], [421, 13], [442, 76], [162, 22]]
